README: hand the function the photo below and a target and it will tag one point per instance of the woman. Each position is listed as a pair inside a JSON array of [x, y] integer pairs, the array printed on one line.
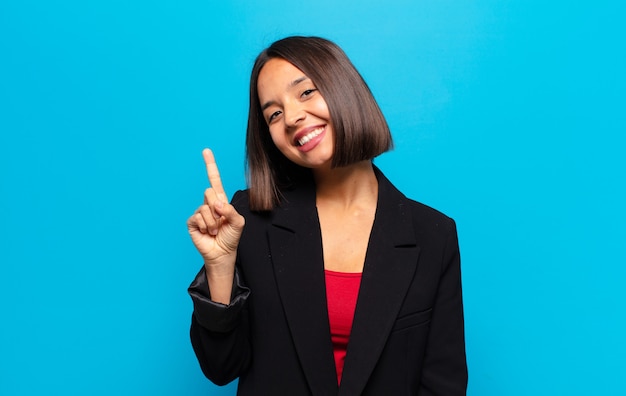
[[322, 278]]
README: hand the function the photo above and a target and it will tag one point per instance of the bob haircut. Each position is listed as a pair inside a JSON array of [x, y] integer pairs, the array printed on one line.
[[361, 131]]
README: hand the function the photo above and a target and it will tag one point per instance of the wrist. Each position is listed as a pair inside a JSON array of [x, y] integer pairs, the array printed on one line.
[[220, 279], [220, 269]]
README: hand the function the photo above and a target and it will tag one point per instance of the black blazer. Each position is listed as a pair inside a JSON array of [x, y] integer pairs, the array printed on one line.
[[407, 336]]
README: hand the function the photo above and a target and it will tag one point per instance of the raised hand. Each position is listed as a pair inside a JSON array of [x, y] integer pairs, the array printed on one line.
[[215, 228]]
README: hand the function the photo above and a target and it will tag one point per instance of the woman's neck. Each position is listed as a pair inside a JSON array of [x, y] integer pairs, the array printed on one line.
[[349, 186]]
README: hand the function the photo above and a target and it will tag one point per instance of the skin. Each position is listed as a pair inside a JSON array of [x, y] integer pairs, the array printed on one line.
[[215, 229], [346, 197], [292, 108]]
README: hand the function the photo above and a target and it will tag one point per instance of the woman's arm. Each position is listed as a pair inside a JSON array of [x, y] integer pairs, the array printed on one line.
[[445, 367], [219, 330], [220, 333], [215, 229]]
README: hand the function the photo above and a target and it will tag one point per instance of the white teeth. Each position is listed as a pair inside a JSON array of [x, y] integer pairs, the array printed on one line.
[[307, 138]]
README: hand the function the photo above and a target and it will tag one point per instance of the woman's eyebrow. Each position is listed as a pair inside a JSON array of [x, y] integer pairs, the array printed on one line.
[[297, 81], [291, 85], [266, 105]]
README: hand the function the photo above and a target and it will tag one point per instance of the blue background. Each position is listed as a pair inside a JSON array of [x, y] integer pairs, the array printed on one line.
[[507, 115]]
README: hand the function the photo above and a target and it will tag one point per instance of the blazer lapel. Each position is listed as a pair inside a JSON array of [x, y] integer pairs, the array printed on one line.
[[296, 248], [388, 271]]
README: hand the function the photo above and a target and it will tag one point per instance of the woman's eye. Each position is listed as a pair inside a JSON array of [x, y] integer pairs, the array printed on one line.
[[308, 92], [273, 116]]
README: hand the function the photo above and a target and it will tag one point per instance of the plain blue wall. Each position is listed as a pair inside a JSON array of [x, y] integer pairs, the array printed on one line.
[[507, 115]]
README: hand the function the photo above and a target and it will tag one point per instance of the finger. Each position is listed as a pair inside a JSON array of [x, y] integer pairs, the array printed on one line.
[[231, 215], [213, 173], [196, 222], [211, 199], [208, 216]]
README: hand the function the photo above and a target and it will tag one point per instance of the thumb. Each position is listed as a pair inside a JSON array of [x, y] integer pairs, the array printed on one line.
[[230, 214]]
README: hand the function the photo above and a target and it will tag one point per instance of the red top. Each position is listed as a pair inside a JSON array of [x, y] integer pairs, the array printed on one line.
[[342, 290]]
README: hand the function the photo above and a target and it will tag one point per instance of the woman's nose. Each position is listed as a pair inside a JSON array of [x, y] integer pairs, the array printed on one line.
[[294, 113]]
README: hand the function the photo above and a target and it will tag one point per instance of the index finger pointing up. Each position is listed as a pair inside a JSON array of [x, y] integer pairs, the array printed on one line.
[[213, 173]]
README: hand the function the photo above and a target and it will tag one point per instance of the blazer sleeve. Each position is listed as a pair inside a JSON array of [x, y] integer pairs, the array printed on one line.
[[445, 367], [220, 334]]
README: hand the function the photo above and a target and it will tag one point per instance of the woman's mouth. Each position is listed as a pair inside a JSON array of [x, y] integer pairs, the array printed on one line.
[[309, 136]]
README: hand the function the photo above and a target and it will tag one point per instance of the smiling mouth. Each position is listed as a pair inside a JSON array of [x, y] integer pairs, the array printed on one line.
[[309, 136]]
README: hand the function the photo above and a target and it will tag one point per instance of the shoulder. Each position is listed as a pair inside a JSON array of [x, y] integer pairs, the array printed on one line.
[[425, 219], [241, 201], [431, 226], [293, 199], [428, 214]]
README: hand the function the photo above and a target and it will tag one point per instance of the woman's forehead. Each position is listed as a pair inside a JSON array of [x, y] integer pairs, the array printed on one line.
[[279, 74]]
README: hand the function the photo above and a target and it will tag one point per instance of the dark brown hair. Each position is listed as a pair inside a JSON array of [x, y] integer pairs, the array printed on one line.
[[361, 132]]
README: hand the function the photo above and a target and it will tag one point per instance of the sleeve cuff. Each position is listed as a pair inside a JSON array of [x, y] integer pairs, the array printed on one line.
[[212, 315]]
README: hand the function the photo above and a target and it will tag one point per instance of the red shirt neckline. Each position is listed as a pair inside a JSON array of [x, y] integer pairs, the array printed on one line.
[[342, 291]]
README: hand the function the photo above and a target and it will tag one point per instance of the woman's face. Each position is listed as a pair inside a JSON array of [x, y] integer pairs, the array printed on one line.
[[296, 113]]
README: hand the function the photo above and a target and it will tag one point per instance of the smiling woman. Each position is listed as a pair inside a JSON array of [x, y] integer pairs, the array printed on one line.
[[322, 278], [297, 115]]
